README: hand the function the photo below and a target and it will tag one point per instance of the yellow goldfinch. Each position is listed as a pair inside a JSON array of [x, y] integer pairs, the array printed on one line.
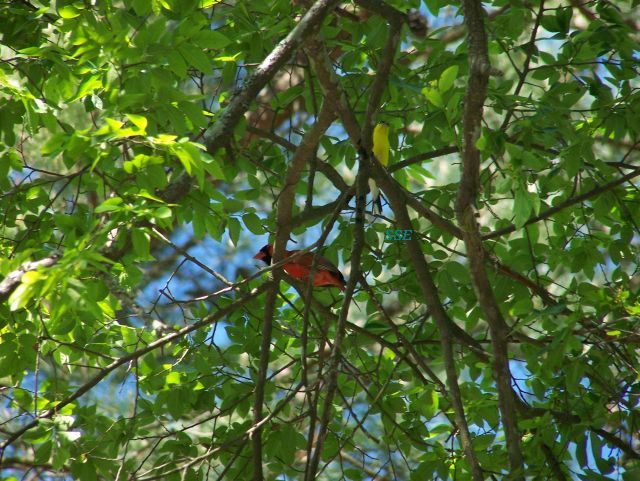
[[381, 152]]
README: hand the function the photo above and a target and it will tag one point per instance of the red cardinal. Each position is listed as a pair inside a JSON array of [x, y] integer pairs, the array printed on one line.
[[326, 273]]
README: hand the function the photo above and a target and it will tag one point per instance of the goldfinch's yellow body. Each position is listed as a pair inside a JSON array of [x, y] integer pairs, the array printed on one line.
[[381, 143], [381, 151]]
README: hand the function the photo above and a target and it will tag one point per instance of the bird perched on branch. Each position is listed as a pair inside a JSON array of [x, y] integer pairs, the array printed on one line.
[[381, 153], [326, 275]]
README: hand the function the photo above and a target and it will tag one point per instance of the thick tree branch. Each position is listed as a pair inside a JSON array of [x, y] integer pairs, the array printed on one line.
[[446, 327], [479, 69], [330, 85], [383, 9], [222, 130]]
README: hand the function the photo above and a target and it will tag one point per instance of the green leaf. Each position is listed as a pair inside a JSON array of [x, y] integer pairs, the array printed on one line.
[[196, 58], [187, 158], [69, 11], [447, 78], [110, 205], [522, 206], [234, 227], [172, 378], [194, 113], [211, 39], [458, 271], [550, 23], [177, 63], [29, 290], [141, 7], [428, 403], [141, 243], [572, 160], [43, 452], [54, 145], [331, 447], [253, 223], [163, 213], [139, 121], [84, 470], [564, 18], [433, 96], [146, 195], [141, 162], [521, 307], [88, 86], [212, 167]]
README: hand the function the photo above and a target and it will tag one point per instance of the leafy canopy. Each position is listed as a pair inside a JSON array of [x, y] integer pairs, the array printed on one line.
[[132, 199]]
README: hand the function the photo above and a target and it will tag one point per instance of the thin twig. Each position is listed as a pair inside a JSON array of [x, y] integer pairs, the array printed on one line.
[[104, 372]]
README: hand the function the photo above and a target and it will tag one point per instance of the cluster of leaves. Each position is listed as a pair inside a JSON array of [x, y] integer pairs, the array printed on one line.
[[107, 170]]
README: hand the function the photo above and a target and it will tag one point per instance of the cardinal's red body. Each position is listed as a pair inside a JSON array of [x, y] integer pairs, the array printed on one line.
[[327, 274]]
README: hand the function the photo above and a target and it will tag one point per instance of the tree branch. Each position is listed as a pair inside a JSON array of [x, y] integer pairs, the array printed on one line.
[[306, 149], [422, 157], [222, 130], [327, 170], [567, 203], [479, 69], [614, 440], [383, 9], [554, 464], [104, 372], [380, 81], [238, 105], [446, 327], [332, 382], [332, 92], [13, 279]]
